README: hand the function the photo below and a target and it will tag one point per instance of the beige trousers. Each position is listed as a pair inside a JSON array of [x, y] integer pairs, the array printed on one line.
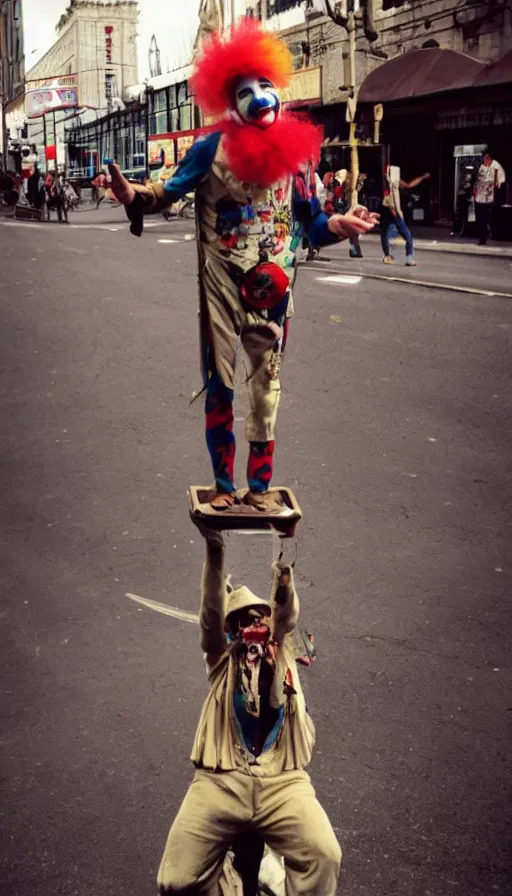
[[282, 808], [229, 323]]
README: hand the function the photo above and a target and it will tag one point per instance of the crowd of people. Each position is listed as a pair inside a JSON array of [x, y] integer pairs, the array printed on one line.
[[476, 198], [475, 201]]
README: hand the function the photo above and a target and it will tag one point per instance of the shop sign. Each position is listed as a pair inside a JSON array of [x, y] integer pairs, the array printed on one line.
[[155, 147], [184, 144], [304, 89], [50, 94], [472, 116]]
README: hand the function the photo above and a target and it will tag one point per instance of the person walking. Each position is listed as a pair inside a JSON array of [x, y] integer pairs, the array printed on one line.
[[392, 213], [490, 178]]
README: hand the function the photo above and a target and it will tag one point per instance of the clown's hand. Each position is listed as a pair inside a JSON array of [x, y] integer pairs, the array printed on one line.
[[131, 199], [123, 190], [352, 225]]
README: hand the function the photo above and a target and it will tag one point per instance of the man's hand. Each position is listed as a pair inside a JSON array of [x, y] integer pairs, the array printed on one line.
[[352, 225], [123, 190]]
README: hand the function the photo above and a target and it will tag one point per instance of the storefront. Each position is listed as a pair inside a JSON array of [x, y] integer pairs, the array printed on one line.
[[120, 135], [435, 102], [156, 130]]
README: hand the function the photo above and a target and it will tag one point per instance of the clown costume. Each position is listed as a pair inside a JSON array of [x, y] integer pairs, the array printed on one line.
[[254, 184]]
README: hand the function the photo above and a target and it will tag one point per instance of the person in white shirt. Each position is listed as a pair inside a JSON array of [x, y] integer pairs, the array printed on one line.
[[490, 178]]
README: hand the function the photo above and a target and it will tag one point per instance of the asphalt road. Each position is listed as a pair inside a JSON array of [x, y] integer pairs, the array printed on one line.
[[395, 434]]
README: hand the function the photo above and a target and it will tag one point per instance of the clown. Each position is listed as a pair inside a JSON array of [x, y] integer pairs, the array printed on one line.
[[253, 178]]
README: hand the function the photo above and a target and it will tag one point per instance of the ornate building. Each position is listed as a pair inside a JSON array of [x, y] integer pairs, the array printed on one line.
[[12, 71], [97, 43]]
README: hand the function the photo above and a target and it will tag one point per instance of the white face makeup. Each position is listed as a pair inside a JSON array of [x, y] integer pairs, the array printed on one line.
[[257, 102]]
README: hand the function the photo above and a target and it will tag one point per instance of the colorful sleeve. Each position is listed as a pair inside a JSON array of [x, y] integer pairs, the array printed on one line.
[[312, 220], [192, 168]]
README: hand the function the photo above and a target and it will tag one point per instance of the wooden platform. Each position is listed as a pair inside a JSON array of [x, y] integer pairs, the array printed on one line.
[[243, 516]]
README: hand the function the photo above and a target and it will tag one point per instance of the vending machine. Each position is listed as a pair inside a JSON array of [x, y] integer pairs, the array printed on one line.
[[468, 159]]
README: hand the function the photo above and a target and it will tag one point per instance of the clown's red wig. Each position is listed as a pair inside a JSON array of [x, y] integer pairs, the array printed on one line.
[[245, 51]]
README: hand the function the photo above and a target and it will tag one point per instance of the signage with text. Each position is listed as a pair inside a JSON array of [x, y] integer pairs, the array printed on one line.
[[304, 89], [50, 94], [158, 145]]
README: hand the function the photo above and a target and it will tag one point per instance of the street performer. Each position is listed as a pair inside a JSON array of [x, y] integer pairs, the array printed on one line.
[[252, 744], [253, 177]]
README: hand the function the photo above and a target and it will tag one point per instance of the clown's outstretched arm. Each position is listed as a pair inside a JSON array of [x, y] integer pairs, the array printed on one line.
[[284, 601], [213, 598], [325, 231], [154, 197]]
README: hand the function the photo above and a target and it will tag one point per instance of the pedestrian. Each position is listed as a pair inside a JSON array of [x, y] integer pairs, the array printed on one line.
[[355, 250], [36, 189], [252, 211], [392, 213], [335, 197], [490, 177], [252, 745]]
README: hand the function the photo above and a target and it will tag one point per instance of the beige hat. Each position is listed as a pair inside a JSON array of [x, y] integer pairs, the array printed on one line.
[[242, 598]]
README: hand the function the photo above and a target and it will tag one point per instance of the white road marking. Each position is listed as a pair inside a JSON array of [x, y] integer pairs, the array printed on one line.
[[429, 284], [345, 279], [55, 224], [193, 618], [167, 241]]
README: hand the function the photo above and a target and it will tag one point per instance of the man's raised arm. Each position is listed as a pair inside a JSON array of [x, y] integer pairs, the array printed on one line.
[[213, 598]]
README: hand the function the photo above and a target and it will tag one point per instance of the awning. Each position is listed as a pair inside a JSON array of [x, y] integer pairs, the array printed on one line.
[[499, 72], [419, 73]]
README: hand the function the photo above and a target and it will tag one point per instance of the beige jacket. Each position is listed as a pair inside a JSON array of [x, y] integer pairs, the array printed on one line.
[[216, 744]]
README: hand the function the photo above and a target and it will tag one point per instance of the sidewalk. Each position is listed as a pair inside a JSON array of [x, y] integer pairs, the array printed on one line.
[[438, 239]]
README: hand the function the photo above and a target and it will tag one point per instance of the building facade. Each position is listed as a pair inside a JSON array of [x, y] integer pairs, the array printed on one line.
[[97, 43], [424, 128], [12, 75], [156, 129]]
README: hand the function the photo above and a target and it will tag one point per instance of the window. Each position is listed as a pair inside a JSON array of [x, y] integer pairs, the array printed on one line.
[[389, 4], [160, 122], [174, 120], [160, 101], [277, 6], [186, 123]]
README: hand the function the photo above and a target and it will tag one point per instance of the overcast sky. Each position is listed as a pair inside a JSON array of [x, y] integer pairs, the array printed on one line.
[[175, 29]]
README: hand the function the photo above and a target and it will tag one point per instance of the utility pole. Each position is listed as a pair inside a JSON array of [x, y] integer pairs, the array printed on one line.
[[353, 14]]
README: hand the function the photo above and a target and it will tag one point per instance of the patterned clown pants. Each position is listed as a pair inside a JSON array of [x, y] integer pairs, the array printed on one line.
[[229, 324]]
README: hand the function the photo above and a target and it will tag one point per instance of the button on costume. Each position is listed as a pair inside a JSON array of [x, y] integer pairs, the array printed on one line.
[[255, 200]]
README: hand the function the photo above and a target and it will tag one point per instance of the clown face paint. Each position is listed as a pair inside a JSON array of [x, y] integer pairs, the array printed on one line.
[[257, 102]]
